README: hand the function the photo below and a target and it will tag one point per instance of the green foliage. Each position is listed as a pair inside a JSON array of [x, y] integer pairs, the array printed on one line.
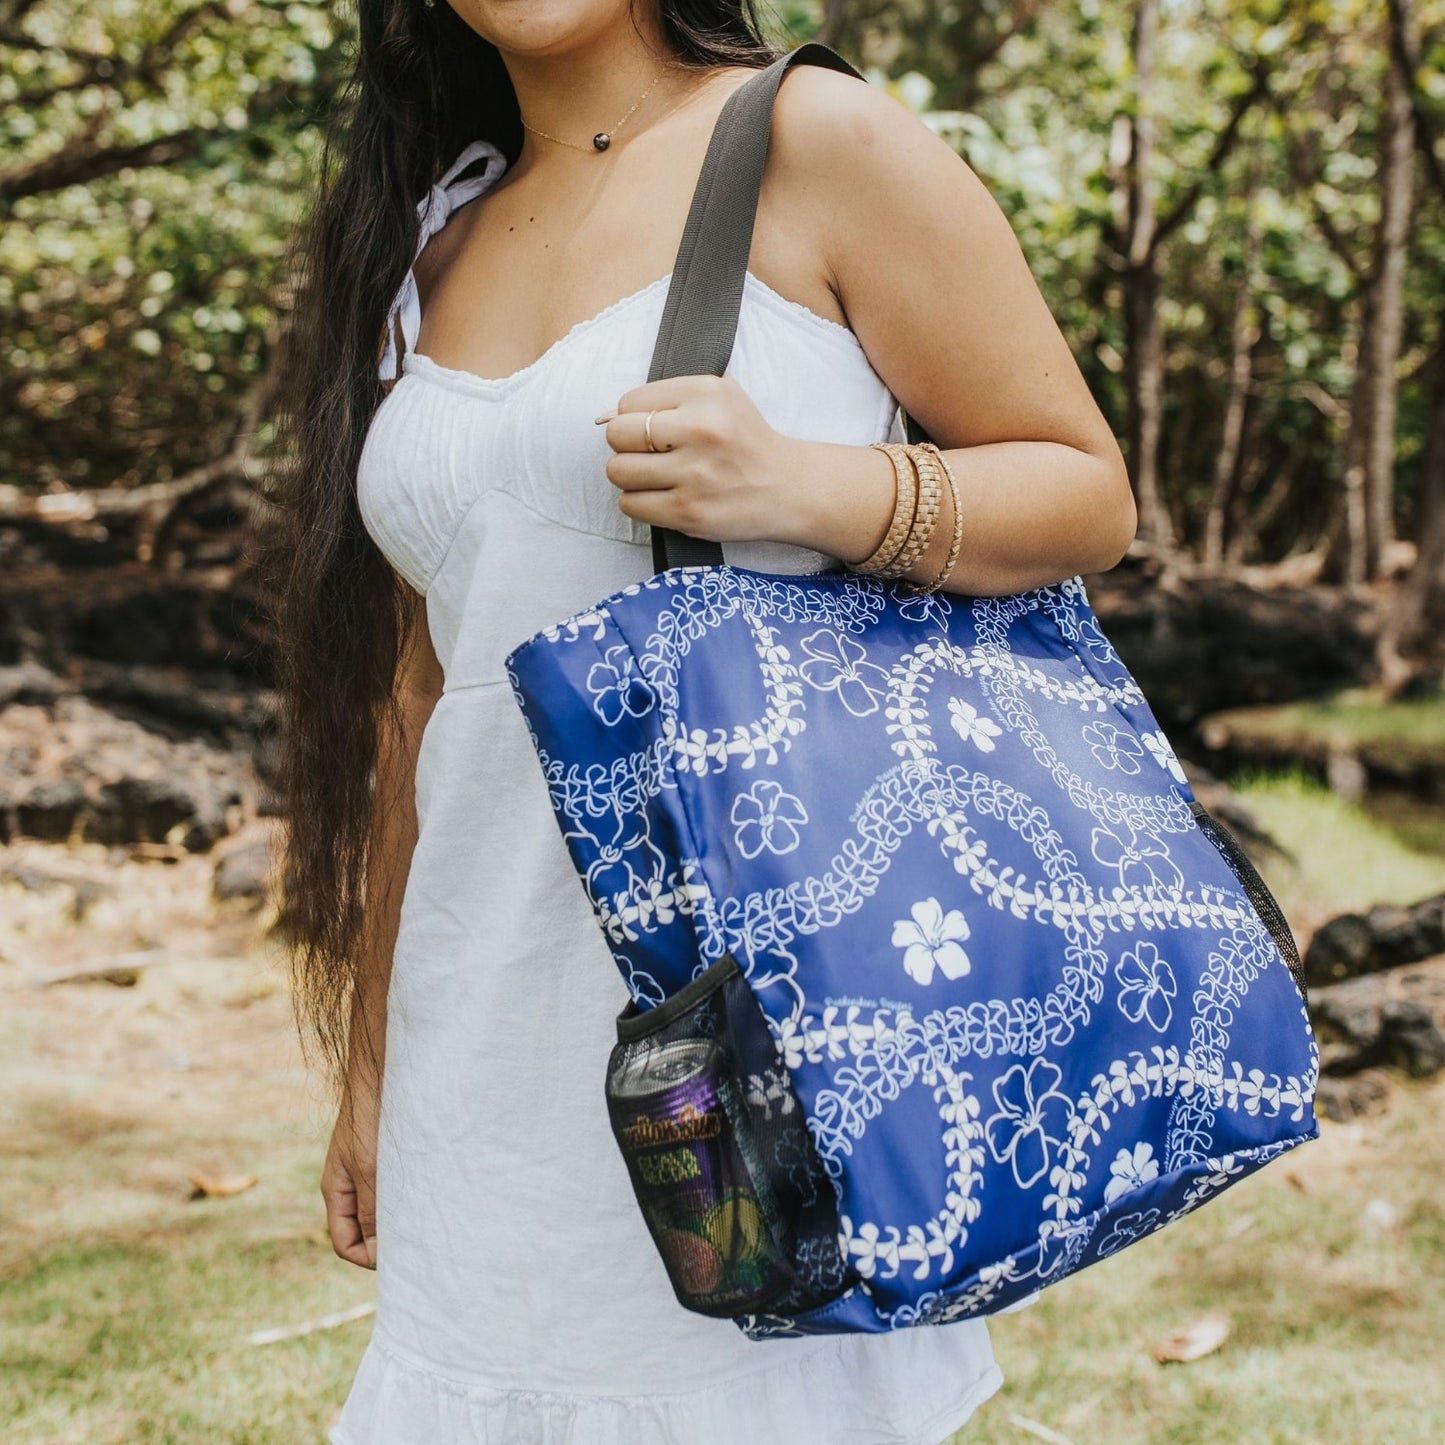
[[156, 158], [158, 154], [1037, 98]]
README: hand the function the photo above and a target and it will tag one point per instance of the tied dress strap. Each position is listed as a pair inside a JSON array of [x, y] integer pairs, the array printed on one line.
[[433, 211]]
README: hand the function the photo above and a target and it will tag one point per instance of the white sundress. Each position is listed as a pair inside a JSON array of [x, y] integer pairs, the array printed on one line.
[[520, 1298]]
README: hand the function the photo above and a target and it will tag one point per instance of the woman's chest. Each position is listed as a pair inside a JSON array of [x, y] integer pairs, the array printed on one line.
[[445, 439]]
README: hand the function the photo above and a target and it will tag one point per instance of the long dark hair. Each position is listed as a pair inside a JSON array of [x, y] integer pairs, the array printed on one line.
[[425, 85]]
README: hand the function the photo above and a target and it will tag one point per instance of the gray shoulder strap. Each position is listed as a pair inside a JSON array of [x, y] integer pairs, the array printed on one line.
[[705, 296]]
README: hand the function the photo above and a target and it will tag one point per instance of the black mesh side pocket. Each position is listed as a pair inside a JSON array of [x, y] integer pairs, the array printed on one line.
[[1256, 890], [718, 1149]]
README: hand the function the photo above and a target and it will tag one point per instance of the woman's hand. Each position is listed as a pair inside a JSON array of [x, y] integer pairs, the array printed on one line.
[[348, 1177], [718, 471]]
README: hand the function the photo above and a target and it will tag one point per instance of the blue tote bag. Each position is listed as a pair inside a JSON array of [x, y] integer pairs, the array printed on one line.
[[943, 985]]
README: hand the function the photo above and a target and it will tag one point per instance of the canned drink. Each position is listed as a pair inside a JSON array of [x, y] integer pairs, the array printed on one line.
[[673, 1114]]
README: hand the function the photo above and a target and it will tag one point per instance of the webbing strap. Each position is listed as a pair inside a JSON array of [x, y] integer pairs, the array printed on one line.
[[700, 319]]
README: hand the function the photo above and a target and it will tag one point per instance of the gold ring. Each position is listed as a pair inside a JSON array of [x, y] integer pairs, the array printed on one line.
[[647, 432]]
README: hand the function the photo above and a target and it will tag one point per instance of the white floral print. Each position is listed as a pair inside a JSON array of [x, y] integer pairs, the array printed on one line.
[[1163, 754], [930, 940], [930, 607], [770, 1090], [1126, 1229], [839, 664], [767, 817], [1030, 1120], [1142, 860], [616, 688], [1131, 1170], [981, 731], [1147, 986], [1113, 747]]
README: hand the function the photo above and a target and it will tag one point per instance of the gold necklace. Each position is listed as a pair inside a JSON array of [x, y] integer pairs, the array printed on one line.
[[603, 138]]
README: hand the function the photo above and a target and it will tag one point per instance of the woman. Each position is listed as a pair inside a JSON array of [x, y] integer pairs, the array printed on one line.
[[442, 941]]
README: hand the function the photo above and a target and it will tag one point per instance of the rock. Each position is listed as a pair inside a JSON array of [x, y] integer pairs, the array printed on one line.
[[86, 607], [1353, 1096], [74, 764], [1200, 644], [28, 682], [1396, 1017], [1385, 937], [85, 890], [1414, 1036], [30, 878], [1346, 776], [139, 810], [243, 873], [49, 810]]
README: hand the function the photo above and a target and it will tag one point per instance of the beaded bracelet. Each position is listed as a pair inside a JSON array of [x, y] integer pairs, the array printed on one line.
[[905, 499], [946, 571]]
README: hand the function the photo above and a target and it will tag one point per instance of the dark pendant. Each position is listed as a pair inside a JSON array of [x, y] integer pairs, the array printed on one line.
[[602, 140]]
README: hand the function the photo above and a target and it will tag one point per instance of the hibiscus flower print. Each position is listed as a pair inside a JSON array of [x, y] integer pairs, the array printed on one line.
[[1147, 986], [1031, 1118], [1131, 1170], [926, 607], [1113, 747], [767, 817], [981, 731], [930, 941], [616, 688], [839, 664], [1142, 860], [1164, 755], [1126, 1229]]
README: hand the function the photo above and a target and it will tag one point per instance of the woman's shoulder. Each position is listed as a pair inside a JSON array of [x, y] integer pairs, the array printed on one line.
[[825, 120]]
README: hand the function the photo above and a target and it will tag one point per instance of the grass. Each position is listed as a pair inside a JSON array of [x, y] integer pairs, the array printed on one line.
[[1400, 739], [1359, 717], [125, 1304], [139, 1336], [1336, 1325], [1337, 857]]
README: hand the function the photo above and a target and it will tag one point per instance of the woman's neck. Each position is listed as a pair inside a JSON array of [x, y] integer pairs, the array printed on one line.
[[585, 91]]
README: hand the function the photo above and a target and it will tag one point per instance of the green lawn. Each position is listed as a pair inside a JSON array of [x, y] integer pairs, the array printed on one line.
[[1337, 1327], [1340, 857]]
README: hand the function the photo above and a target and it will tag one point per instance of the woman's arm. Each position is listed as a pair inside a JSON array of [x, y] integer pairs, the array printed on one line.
[[927, 269], [348, 1177]]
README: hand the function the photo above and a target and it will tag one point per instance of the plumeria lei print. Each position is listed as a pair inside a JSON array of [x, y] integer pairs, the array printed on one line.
[[1029, 1008]]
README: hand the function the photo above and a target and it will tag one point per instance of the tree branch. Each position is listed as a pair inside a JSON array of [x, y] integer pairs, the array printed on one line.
[[158, 499], [1223, 144]]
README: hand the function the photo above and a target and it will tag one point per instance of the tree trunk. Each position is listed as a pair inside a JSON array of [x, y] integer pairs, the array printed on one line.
[[1143, 326], [1244, 334], [1387, 315], [1344, 538], [1419, 619]]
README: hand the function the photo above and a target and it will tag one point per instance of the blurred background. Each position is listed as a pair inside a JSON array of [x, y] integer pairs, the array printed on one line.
[[1236, 211]]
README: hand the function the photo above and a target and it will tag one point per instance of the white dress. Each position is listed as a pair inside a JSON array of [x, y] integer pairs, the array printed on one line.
[[520, 1298]]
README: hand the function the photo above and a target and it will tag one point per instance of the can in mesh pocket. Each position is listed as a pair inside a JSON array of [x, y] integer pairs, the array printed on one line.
[[674, 1114]]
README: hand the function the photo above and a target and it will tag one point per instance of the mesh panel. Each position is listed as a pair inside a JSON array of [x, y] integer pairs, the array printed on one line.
[[1256, 890], [719, 1153]]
